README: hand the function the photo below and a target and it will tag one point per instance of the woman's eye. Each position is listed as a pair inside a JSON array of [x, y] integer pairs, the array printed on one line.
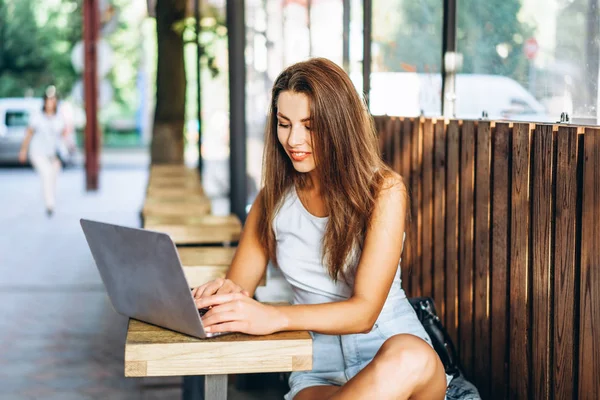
[[307, 127], [283, 125]]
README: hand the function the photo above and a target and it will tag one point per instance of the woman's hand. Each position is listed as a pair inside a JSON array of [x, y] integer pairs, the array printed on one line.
[[235, 312], [22, 156], [217, 286]]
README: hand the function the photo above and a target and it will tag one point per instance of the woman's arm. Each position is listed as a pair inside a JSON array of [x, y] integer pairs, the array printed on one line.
[[375, 272], [249, 263], [25, 145]]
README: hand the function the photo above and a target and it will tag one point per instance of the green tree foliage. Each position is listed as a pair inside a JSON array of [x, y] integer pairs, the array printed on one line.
[[35, 43], [415, 41]]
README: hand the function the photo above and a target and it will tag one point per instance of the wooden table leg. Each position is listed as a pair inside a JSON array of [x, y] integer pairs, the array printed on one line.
[[208, 387]]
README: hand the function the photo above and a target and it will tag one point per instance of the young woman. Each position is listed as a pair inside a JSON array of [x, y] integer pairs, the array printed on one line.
[[42, 141], [331, 217]]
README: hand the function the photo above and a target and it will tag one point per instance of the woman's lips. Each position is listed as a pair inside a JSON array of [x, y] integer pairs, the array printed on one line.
[[299, 155]]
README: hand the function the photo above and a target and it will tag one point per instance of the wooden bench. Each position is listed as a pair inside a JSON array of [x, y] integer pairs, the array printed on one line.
[[173, 170], [174, 182], [196, 229], [202, 264], [173, 207], [157, 191], [505, 236], [154, 351]]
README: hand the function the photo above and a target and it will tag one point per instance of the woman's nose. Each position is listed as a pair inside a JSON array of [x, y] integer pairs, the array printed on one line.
[[297, 136]]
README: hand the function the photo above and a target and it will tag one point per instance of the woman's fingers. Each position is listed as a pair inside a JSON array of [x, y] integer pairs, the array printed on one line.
[[210, 288], [229, 287], [219, 299], [235, 326], [197, 291], [220, 317]]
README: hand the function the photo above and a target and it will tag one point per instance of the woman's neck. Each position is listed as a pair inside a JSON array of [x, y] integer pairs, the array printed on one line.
[[314, 182]]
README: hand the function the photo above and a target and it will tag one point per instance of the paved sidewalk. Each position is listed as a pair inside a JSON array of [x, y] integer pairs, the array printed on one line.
[[59, 337]]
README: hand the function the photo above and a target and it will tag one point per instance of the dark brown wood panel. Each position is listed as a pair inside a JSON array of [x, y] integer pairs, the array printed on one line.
[[439, 213], [427, 227], [501, 188], [416, 179], [389, 139], [452, 189], [518, 242], [397, 133], [481, 370], [379, 126], [466, 207], [589, 331], [541, 226], [519, 366], [563, 373], [405, 151]]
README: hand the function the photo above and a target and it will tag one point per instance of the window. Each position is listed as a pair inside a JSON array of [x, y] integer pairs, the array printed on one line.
[[406, 57], [539, 57], [16, 119]]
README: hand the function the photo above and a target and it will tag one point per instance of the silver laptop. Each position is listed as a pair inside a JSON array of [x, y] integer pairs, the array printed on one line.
[[143, 276]]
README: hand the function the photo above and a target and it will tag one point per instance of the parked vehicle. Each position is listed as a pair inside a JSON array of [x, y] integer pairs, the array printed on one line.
[[409, 94]]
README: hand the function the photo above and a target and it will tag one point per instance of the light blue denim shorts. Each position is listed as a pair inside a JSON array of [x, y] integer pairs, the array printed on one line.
[[338, 358]]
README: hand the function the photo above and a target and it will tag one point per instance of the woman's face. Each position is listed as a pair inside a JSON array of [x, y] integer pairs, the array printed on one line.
[[293, 129], [51, 104]]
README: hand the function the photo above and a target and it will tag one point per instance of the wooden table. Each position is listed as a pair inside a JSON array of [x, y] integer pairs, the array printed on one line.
[[196, 229], [154, 351]]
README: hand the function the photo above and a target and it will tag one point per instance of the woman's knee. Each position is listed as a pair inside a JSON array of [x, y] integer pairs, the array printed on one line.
[[407, 356]]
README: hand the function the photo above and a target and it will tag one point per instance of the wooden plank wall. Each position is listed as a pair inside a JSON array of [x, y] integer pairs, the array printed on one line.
[[504, 234]]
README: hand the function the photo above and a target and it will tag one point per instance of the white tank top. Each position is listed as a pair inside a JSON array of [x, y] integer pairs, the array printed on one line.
[[299, 237]]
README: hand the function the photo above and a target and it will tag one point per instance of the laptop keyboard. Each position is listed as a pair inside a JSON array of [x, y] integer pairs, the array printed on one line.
[[203, 311]]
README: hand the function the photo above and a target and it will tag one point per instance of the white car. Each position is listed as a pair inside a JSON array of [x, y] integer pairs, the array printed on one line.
[[409, 94]]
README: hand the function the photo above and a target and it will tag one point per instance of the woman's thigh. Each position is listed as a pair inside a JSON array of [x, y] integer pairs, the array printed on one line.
[[317, 392], [41, 164]]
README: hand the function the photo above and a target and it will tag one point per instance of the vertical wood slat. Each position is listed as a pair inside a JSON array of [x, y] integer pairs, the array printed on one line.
[[452, 189], [406, 150], [466, 207], [427, 227], [397, 134], [439, 195], [541, 230], [589, 331], [481, 370], [501, 189], [379, 127], [563, 373], [416, 205], [388, 126], [519, 365]]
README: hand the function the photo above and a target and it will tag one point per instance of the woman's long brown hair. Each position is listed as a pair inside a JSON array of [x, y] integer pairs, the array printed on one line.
[[347, 158]]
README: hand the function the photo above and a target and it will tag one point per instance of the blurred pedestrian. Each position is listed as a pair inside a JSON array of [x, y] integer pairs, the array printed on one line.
[[44, 145]]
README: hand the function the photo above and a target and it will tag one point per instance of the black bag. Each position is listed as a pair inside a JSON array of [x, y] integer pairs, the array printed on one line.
[[425, 309]]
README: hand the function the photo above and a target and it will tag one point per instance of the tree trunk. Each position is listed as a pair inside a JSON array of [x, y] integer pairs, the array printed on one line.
[[169, 116]]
